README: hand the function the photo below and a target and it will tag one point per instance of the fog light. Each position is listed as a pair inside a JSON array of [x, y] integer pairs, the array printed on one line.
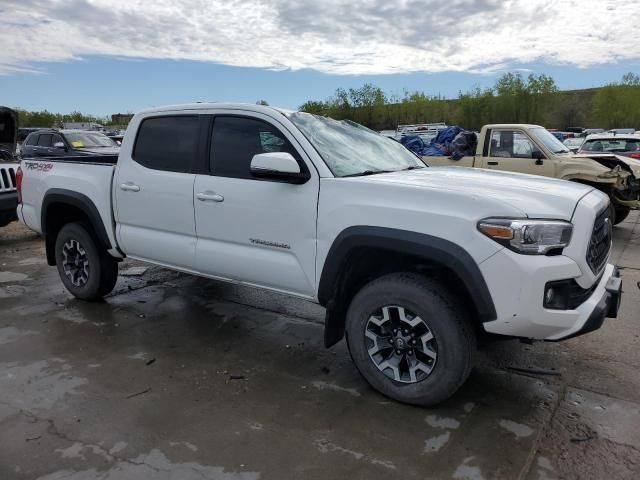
[[549, 296]]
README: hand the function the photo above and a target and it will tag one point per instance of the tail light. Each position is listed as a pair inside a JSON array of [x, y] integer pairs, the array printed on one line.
[[635, 155], [19, 184]]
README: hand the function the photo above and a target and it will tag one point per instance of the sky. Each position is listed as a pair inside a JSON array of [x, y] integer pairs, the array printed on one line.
[[108, 56]]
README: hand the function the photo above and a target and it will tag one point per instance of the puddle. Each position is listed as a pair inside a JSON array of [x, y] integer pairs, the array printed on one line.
[[32, 261], [11, 291], [442, 422], [12, 277], [37, 385], [118, 447], [324, 446], [188, 445], [72, 315], [153, 465], [468, 472], [518, 429], [320, 385], [138, 356], [434, 444], [11, 334]]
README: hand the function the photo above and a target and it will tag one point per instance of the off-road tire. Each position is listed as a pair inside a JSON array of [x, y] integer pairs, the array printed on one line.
[[101, 273], [445, 317]]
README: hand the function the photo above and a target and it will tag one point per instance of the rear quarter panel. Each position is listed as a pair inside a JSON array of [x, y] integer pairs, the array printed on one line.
[[91, 180]]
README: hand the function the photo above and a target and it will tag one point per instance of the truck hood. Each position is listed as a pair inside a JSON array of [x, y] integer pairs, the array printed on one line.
[[536, 197]]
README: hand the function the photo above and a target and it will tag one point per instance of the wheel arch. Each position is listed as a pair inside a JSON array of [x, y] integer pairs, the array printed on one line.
[[61, 206], [361, 253]]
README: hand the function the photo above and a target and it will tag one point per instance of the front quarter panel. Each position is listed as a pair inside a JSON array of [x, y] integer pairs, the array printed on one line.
[[347, 202]]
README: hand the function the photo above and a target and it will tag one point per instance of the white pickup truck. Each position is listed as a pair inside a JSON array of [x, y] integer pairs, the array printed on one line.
[[412, 263]]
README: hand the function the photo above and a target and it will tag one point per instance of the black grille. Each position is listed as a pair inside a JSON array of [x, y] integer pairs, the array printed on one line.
[[7, 179], [600, 242]]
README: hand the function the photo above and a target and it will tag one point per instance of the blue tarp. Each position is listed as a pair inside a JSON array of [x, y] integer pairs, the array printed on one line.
[[439, 146]]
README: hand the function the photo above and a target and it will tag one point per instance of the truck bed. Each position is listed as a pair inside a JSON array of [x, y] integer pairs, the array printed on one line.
[[83, 176], [91, 159]]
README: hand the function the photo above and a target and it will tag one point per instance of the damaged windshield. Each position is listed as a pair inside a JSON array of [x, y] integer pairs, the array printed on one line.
[[349, 149]]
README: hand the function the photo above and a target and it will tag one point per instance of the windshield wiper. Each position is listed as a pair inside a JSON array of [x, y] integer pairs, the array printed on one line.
[[412, 167], [367, 172]]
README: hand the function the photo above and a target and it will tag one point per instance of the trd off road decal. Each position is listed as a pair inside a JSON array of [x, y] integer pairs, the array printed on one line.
[[38, 166]]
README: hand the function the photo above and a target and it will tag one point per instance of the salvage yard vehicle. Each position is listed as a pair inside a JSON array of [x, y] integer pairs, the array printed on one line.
[[8, 165], [573, 143], [412, 263], [53, 142], [534, 150], [627, 145]]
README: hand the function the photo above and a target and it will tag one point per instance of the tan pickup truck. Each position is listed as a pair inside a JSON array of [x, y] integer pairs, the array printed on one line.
[[532, 149]]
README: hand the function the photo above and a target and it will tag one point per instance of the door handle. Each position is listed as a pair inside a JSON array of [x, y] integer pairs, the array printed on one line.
[[493, 163], [209, 197], [129, 187]]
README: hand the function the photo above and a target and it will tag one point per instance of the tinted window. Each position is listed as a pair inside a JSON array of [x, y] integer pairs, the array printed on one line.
[[167, 143], [44, 140], [236, 140], [56, 139], [32, 140]]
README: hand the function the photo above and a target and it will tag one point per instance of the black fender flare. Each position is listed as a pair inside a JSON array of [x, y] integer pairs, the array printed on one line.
[[79, 201], [430, 248]]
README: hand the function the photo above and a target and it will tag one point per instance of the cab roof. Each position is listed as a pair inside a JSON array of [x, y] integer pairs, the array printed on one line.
[[209, 105]]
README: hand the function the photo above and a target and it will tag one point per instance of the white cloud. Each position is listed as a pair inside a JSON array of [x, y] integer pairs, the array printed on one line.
[[333, 36]]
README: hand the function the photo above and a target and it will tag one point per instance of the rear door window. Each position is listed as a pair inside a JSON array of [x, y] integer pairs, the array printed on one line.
[[44, 140], [168, 143]]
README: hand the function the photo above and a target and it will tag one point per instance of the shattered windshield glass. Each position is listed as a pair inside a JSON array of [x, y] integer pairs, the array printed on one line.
[[350, 149]]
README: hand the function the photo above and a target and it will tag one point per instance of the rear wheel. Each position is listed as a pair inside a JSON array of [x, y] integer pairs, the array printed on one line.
[[410, 339], [87, 271]]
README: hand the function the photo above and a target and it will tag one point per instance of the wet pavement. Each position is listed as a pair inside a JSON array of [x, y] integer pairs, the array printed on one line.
[[178, 377]]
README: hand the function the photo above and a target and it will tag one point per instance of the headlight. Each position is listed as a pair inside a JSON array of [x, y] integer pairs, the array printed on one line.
[[529, 237]]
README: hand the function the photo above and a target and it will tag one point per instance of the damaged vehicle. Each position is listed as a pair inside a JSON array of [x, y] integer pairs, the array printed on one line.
[[8, 165], [532, 149], [413, 264]]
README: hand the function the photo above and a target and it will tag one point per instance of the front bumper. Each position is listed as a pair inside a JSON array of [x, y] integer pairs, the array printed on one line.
[[607, 307], [517, 285], [9, 204]]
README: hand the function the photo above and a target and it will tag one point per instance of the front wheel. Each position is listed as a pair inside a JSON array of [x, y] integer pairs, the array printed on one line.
[[410, 338], [621, 213], [87, 271]]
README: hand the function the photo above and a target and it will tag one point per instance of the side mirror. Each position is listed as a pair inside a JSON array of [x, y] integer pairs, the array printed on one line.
[[278, 166], [60, 145], [539, 157]]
